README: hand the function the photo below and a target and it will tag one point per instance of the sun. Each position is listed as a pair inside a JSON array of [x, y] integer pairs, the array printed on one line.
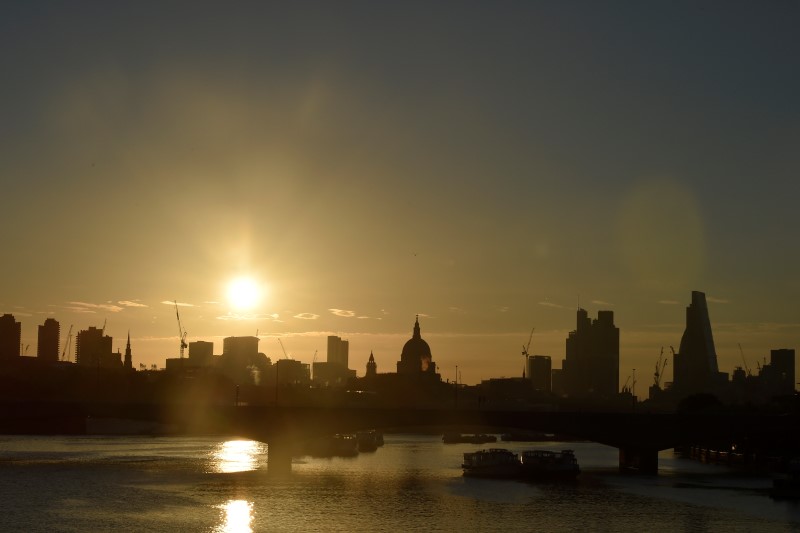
[[243, 293]]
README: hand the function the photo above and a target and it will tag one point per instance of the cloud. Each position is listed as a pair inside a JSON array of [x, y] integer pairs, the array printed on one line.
[[343, 313], [306, 316], [504, 309], [85, 307], [601, 302], [668, 302], [551, 304], [454, 309], [234, 316], [717, 300], [180, 304], [131, 303]]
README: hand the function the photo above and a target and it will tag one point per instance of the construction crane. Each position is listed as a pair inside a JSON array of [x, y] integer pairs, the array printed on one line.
[[525, 353], [66, 344], [181, 331], [660, 365], [282, 348], [744, 361]]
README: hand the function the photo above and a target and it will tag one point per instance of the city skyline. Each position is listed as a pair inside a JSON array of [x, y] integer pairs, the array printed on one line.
[[489, 169]]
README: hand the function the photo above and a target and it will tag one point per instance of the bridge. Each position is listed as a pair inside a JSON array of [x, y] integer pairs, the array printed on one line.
[[638, 436]]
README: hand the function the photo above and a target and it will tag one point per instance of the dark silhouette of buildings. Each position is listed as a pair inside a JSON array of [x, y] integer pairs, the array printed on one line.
[[94, 349], [416, 355], [695, 364], [10, 337], [539, 372], [201, 353], [591, 367], [334, 371], [49, 333]]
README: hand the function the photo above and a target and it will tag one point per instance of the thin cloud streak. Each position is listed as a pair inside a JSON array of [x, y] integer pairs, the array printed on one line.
[[343, 313], [131, 303], [75, 306], [180, 304]]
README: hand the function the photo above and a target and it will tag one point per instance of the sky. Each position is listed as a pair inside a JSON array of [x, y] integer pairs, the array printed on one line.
[[488, 166]]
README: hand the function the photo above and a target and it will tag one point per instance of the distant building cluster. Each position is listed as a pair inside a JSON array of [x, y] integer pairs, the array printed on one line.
[[589, 373]]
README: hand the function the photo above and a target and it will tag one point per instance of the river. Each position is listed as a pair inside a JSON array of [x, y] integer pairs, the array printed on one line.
[[413, 483]]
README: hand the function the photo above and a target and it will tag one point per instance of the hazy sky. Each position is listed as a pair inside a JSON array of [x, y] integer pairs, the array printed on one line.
[[487, 165]]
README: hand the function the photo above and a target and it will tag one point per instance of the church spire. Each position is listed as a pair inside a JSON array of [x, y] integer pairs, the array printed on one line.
[[416, 329], [128, 359]]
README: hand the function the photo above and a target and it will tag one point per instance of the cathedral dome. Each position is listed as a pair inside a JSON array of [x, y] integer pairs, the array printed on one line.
[[416, 354]]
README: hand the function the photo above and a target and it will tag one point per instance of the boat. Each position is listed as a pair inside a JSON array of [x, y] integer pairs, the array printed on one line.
[[458, 438], [492, 463], [546, 464], [368, 440]]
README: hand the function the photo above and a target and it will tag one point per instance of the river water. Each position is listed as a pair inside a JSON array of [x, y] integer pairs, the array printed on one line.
[[413, 483]]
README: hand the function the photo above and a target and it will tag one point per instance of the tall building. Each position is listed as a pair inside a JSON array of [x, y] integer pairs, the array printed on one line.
[[93, 348], [591, 366], [47, 348], [201, 353], [782, 363], [695, 364], [338, 351], [10, 337], [416, 355], [539, 370]]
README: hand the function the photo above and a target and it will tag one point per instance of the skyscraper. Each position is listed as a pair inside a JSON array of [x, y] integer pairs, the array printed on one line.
[[10, 337], [591, 366], [47, 348], [338, 351], [695, 365]]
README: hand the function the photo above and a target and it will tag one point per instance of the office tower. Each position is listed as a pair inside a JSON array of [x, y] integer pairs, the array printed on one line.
[[695, 364], [338, 351], [539, 372], [47, 348], [591, 366], [782, 363], [201, 353]]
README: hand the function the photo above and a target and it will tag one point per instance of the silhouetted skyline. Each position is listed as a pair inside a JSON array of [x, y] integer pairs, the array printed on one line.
[[490, 168]]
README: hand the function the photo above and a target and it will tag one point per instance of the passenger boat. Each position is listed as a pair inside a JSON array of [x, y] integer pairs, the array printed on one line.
[[545, 464], [492, 463]]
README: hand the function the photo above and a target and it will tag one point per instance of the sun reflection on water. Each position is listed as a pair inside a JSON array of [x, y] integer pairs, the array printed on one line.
[[236, 456], [237, 516]]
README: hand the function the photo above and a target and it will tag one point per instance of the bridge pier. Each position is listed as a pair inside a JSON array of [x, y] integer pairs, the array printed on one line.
[[637, 459], [279, 455]]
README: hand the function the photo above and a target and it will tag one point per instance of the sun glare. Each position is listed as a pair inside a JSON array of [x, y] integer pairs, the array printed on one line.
[[243, 293]]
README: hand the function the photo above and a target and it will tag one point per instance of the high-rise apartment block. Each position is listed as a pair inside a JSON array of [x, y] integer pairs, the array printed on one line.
[[10, 337], [94, 349], [47, 348]]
